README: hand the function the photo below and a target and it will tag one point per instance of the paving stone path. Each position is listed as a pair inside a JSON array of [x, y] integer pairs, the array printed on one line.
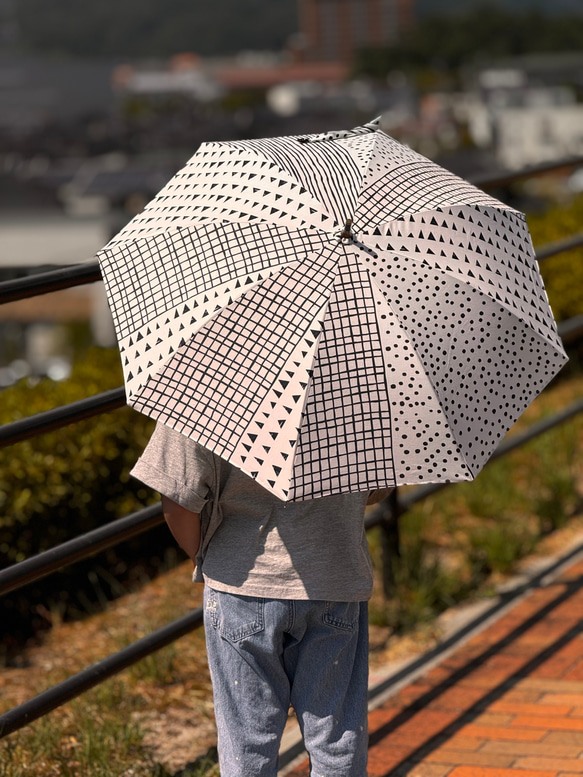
[[507, 703]]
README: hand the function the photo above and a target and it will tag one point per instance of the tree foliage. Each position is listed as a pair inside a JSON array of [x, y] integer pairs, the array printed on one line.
[[485, 31], [63, 483]]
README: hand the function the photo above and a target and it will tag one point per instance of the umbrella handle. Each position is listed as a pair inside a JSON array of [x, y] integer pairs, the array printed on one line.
[[346, 233]]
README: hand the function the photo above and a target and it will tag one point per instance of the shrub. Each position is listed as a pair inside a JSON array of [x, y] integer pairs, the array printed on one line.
[[562, 274], [64, 483]]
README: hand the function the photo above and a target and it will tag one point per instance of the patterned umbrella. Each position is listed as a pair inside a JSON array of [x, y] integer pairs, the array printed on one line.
[[331, 313]]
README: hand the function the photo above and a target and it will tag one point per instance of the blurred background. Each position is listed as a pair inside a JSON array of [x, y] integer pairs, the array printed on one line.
[[100, 103]]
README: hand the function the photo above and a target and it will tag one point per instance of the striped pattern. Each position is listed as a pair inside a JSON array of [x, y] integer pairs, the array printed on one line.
[[328, 171]]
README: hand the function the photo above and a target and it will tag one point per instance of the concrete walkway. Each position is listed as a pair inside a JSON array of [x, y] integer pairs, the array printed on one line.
[[504, 699]]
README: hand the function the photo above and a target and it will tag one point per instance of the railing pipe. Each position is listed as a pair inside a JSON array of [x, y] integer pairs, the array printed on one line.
[[491, 180], [45, 282], [571, 330], [390, 540], [61, 416], [88, 678], [559, 247], [79, 548]]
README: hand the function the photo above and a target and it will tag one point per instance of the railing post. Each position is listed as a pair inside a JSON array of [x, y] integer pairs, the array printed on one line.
[[390, 547]]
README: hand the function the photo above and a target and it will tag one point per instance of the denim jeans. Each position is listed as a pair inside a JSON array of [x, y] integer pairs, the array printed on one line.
[[265, 654]]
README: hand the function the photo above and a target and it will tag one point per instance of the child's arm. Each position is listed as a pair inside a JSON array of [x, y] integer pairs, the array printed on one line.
[[184, 525], [378, 496]]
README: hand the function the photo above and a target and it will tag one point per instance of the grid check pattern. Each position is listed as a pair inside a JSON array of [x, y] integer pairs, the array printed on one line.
[[211, 388], [167, 270], [345, 439], [414, 187]]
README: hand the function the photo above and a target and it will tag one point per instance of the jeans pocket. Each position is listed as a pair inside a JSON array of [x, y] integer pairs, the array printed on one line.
[[235, 616], [341, 615]]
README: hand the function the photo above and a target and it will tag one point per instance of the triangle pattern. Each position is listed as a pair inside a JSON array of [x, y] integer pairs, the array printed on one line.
[[485, 247], [274, 432], [213, 387]]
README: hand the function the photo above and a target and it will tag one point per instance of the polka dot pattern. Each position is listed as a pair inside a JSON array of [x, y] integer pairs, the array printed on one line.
[[484, 366], [483, 246]]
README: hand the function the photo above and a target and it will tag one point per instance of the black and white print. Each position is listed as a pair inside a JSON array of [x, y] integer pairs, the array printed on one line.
[[331, 313]]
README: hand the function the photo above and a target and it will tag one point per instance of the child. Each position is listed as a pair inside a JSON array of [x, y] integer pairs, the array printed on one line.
[[286, 592]]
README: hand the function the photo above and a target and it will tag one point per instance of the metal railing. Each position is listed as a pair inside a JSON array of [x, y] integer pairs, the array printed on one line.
[[385, 515]]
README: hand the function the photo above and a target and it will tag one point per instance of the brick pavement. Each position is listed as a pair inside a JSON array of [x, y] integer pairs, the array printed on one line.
[[506, 703]]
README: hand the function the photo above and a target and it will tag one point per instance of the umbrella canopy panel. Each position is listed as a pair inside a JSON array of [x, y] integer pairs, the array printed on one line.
[[320, 361]]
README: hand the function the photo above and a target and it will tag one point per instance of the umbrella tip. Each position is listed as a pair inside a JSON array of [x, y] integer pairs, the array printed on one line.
[[346, 233]]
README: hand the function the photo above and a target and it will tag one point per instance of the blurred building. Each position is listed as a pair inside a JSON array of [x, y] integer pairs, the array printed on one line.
[[527, 109], [35, 333], [333, 30], [182, 74]]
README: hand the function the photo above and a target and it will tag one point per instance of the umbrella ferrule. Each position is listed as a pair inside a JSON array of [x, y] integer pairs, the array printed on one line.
[[346, 233]]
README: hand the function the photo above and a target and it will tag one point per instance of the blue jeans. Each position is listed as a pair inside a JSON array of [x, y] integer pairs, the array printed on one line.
[[265, 654]]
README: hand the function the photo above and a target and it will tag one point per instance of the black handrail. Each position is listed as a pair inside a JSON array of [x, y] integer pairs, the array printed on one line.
[[503, 177], [45, 282], [571, 330], [559, 246], [81, 547], [61, 416], [88, 678]]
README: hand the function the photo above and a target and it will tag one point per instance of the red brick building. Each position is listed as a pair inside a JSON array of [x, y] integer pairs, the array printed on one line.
[[333, 30]]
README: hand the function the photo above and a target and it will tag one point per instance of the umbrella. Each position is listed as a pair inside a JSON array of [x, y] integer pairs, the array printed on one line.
[[331, 313]]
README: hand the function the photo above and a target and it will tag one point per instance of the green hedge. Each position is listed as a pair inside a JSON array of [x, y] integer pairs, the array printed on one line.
[[62, 483], [562, 274]]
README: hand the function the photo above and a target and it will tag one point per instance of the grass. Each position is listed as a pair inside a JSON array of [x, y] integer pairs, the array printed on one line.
[[90, 739], [155, 719]]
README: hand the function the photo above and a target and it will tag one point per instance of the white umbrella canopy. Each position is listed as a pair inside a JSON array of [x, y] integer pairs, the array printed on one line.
[[332, 313]]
